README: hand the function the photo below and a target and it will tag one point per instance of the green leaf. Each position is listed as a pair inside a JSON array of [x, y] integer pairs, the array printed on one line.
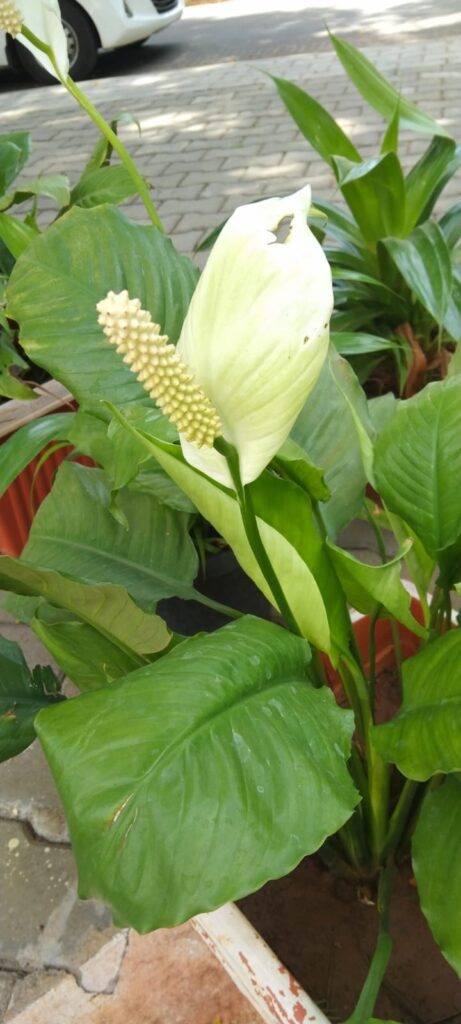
[[418, 464], [316, 124], [54, 186], [195, 780], [27, 442], [379, 93], [16, 235], [75, 263], [153, 557], [14, 154], [340, 224], [390, 143], [451, 169], [374, 191], [422, 180], [424, 738], [124, 458], [13, 387], [292, 463], [287, 530], [450, 224], [111, 184], [107, 608], [103, 149], [352, 343], [424, 262], [22, 694], [368, 586], [336, 449], [89, 659], [437, 866]]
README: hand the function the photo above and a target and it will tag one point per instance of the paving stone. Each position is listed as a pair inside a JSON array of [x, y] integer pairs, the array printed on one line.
[[169, 977], [7, 983], [44, 924]]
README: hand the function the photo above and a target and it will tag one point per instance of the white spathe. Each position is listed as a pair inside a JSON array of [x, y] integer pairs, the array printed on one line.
[[257, 330], [43, 18]]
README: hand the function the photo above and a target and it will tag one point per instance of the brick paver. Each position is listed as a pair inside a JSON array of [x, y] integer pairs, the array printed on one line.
[[214, 137]]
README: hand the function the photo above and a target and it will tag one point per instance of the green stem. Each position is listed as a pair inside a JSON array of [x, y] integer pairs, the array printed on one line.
[[448, 609], [224, 609], [397, 650], [369, 994], [372, 656], [253, 535], [377, 532], [141, 185], [400, 817]]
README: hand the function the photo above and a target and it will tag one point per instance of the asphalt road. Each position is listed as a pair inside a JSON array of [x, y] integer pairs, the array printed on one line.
[[253, 29]]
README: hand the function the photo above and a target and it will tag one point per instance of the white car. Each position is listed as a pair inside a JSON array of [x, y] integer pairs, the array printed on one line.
[[91, 25]]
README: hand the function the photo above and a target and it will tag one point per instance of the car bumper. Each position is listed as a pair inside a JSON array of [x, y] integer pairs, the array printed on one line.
[[144, 21]]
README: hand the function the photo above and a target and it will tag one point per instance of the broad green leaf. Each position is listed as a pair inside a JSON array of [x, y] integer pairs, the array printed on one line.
[[424, 738], [422, 180], [14, 154], [420, 565], [195, 780], [124, 458], [75, 263], [16, 235], [451, 169], [152, 558], [418, 464], [355, 343], [107, 608], [381, 410], [288, 532], [369, 586], [379, 93], [452, 319], [89, 659], [437, 866], [22, 694], [315, 123], [27, 442], [423, 260], [374, 191], [327, 431], [54, 186], [112, 184], [292, 463], [450, 224]]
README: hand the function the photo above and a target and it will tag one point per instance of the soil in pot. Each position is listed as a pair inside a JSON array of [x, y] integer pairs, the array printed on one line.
[[324, 929], [223, 581]]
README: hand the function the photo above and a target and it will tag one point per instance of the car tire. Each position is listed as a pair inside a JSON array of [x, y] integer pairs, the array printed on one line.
[[83, 46]]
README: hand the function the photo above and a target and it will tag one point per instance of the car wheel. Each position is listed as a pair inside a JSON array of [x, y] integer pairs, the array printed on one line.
[[82, 46]]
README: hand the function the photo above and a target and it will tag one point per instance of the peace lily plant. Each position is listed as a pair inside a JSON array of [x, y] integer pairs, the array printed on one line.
[[192, 770]]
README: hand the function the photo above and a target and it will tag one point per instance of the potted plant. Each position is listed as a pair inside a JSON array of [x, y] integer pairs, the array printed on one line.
[[193, 770], [395, 266]]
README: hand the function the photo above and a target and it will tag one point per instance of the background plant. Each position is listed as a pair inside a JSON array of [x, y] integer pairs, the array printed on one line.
[[396, 269]]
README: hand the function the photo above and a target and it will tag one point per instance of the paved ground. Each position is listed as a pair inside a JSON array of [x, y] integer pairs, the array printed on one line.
[[254, 29], [212, 137]]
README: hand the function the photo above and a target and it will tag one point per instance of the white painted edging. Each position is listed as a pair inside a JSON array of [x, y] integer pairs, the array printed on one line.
[[255, 969]]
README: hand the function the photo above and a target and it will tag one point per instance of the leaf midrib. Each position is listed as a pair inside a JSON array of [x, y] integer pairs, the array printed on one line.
[[79, 546], [167, 755]]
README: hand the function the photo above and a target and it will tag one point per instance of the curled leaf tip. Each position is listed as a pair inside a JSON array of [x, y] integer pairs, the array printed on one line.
[[158, 367], [11, 19]]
